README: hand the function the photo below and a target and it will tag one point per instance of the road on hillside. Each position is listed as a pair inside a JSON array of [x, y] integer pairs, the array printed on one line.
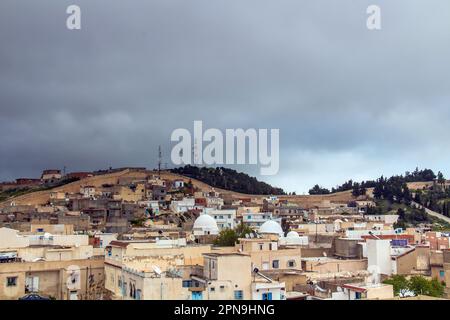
[[432, 213]]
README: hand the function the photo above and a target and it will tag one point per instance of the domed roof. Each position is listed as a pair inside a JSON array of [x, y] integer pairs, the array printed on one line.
[[271, 227], [205, 221], [292, 234]]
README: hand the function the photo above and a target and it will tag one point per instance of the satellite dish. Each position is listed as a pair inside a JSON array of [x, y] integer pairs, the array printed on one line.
[[252, 235], [324, 254], [191, 237], [157, 270], [247, 236]]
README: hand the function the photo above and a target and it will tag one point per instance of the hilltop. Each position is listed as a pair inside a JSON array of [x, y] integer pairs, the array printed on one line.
[[43, 196]]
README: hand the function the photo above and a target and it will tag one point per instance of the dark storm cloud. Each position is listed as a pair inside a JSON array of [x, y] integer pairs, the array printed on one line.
[[349, 103]]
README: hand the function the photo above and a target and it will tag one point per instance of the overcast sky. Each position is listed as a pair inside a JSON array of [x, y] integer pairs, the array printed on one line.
[[349, 102]]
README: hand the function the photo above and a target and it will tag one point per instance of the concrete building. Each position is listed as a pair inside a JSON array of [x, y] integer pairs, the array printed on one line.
[[266, 254], [379, 255], [225, 219]]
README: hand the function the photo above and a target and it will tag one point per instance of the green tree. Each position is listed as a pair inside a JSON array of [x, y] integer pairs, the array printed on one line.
[[226, 238], [421, 286], [242, 229], [400, 284]]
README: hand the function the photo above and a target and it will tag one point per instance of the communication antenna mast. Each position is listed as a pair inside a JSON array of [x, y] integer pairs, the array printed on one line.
[[194, 152], [159, 160]]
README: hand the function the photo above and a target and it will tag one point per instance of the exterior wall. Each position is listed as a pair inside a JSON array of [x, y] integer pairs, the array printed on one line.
[[446, 265], [192, 255], [55, 254], [53, 229], [406, 263], [220, 270], [385, 291], [10, 239], [275, 289], [423, 258], [347, 248], [287, 259], [324, 265], [164, 289], [379, 254], [53, 278]]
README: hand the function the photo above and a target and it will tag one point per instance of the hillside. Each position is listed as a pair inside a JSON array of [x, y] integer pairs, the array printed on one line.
[[228, 179], [42, 197]]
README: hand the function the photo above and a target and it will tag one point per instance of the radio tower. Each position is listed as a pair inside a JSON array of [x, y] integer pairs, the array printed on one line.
[[159, 160], [195, 156]]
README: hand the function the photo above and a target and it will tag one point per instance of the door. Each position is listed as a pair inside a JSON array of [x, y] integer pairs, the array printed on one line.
[[73, 295], [32, 284], [197, 295], [267, 296]]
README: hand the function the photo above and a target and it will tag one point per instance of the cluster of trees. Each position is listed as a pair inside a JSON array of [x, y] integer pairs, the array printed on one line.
[[360, 188], [228, 237], [393, 189], [412, 216], [436, 198], [228, 179], [416, 285]]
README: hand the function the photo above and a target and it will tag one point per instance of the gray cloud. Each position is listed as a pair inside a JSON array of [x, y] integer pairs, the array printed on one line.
[[349, 103]]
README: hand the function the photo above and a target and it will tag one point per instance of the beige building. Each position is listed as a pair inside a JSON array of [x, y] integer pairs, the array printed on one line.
[[222, 281], [150, 270], [326, 265], [266, 254], [62, 280]]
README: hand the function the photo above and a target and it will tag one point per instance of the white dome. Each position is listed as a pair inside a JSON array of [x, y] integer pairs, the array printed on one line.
[[271, 227], [293, 234], [206, 222]]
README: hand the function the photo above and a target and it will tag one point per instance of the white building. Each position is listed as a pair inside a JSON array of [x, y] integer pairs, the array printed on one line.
[[225, 219], [268, 290], [379, 255], [205, 225], [178, 184], [214, 202], [256, 219], [184, 205], [271, 228], [293, 238], [88, 191]]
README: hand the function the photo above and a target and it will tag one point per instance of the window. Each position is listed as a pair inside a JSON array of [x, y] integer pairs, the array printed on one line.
[[260, 246], [441, 273], [212, 289], [238, 295], [187, 283], [291, 263], [11, 281], [275, 264]]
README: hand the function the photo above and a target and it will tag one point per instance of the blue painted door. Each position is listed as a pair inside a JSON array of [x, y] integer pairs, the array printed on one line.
[[197, 295], [267, 296]]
